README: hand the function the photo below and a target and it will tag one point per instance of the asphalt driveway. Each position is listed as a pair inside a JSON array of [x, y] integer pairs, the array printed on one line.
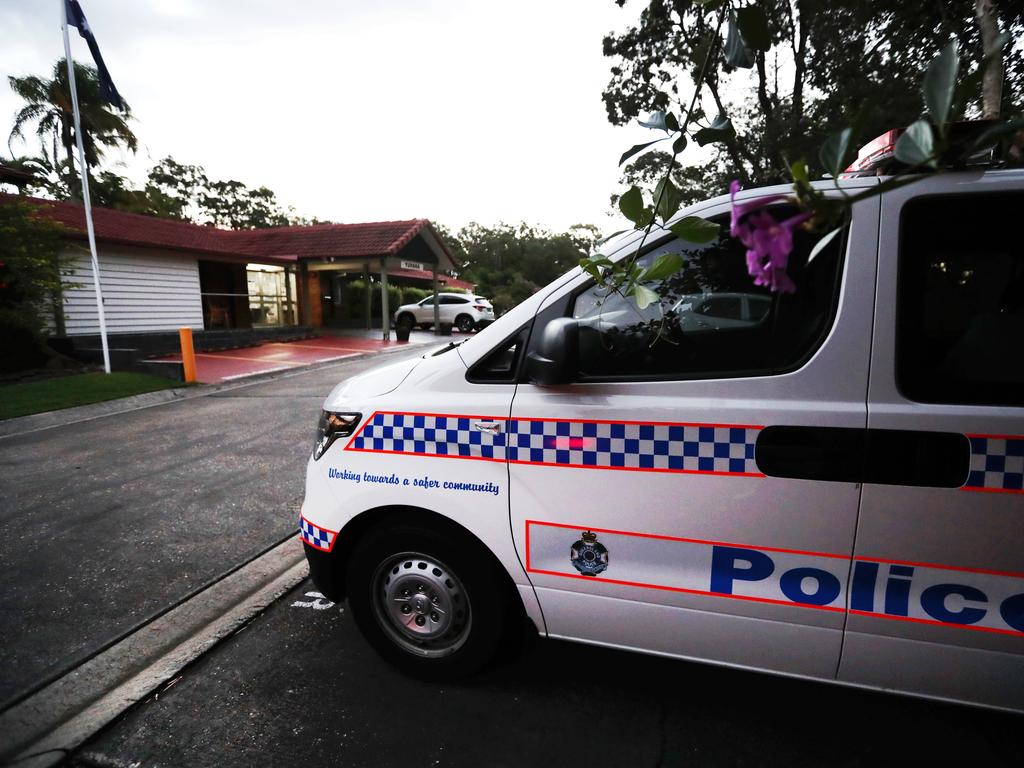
[[299, 686], [106, 522]]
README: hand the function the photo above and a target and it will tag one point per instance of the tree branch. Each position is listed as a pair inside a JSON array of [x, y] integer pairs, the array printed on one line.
[[992, 80]]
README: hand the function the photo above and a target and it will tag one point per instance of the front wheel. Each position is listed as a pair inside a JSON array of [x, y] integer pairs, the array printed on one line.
[[431, 605]]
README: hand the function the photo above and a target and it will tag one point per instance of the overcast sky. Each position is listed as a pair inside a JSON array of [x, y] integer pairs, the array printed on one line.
[[453, 110]]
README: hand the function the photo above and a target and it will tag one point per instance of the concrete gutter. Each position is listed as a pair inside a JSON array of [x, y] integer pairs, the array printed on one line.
[[43, 729]]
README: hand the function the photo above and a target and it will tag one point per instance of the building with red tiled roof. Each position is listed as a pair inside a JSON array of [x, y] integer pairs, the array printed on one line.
[[161, 274]]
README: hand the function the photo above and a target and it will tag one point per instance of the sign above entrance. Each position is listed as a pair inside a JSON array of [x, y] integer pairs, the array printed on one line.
[[413, 265]]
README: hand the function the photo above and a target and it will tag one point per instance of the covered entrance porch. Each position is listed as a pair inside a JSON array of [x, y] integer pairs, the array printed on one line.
[[360, 291]]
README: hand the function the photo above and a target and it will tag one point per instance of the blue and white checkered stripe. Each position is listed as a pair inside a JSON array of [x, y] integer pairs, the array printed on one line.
[[598, 445], [315, 536], [997, 463], [679, 447], [425, 435]]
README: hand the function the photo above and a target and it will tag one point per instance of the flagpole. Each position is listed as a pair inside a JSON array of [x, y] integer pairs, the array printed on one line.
[[85, 187]]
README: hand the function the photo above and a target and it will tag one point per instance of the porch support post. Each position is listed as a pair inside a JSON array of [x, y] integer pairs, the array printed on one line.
[[367, 297], [289, 304], [385, 311], [437, 308], [305, 300]]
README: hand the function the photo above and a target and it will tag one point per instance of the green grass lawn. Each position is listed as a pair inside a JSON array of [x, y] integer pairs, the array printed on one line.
[[67, 391]]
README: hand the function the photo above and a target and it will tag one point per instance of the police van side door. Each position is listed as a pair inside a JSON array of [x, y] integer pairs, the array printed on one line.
[[937, 600], [637, 503]]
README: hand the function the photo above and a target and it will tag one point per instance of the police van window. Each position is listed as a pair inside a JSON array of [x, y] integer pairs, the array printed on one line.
[[960, 305], [711, 321], [502, 364]]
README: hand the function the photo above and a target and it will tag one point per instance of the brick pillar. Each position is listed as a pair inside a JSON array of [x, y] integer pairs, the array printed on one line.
[[314, 313]]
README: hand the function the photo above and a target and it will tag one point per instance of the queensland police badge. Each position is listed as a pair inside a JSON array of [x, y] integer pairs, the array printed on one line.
[[588, 555]]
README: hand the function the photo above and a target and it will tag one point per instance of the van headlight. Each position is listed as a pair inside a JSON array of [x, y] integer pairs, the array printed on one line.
[[332, 426]]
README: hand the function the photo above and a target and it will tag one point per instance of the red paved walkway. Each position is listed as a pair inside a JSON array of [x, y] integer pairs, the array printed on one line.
[[215, 367]]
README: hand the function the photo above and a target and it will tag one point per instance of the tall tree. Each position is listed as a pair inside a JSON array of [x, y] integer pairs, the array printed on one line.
[[509, 263], [827, 59], [48, 107], [184, 192], [30, 283]]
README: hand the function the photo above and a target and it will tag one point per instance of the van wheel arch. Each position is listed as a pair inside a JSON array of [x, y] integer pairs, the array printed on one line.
[[330, 575]]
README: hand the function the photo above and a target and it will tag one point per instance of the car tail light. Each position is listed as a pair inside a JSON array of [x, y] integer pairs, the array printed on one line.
[[479, 307]]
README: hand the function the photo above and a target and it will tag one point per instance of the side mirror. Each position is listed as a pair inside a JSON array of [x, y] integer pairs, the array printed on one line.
[[556, 359]]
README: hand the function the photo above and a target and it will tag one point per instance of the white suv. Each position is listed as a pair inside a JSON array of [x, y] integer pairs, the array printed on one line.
[[463, 310]]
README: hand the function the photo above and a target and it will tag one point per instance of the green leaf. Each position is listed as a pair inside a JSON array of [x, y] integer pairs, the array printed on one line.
[[940, 85], [664, 266], [694, 229], [720, 130], [798, 170], [916, 145], [656, 121], [644, 296], [721, 122], [736, 52], [635, 149], [590, 268], [667, 198], [753, 25], [823, 242], [834, 151], [679, 144], [671, 124], [632, 204]]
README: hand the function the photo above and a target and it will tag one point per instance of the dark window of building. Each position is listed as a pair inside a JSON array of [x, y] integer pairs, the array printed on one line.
[[225, 295], [960, 306], [711, 320]]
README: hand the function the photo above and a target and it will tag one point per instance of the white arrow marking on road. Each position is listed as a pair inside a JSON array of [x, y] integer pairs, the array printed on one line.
[[319, 602]]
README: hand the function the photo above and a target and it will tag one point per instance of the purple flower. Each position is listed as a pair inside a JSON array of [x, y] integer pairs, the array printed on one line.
[[769, 242]]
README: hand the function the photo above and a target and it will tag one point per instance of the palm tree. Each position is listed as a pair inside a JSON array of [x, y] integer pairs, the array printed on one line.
[[48, 105], [29, 172]]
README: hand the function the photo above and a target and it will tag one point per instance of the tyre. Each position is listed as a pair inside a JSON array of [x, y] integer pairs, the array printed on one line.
[[465, 323], [431, 604]]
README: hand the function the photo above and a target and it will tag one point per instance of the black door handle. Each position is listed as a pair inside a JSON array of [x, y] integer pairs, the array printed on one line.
[[883, 456]]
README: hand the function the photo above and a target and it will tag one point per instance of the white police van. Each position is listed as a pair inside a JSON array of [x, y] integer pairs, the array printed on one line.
[[829, 487]]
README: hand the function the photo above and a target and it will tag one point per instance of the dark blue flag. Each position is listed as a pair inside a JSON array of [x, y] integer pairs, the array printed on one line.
[[76, 18]]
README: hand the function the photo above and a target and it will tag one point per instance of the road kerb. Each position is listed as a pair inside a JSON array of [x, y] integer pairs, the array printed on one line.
[[46, 727]]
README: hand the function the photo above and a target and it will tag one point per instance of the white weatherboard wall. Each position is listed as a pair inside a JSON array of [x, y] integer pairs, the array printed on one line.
[[143, 291]]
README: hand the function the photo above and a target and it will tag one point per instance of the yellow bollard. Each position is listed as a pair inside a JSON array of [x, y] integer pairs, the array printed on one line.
[[188, 355]]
